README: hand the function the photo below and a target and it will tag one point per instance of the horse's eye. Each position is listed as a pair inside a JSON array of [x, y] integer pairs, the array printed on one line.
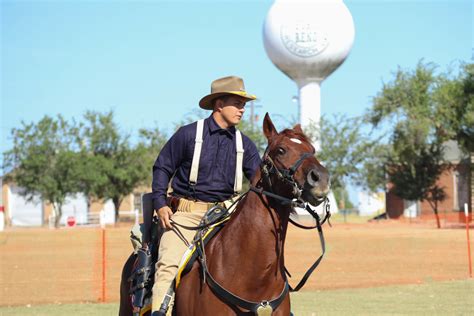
[[281, 151]]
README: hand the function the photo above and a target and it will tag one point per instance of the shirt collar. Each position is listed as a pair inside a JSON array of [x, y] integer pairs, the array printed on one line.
[[214, 127]]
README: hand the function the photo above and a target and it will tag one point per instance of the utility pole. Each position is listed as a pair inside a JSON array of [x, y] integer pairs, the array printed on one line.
[[251, 114], [253, 117]]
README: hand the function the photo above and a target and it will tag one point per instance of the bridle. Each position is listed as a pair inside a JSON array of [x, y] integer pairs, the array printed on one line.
[[285, 175]]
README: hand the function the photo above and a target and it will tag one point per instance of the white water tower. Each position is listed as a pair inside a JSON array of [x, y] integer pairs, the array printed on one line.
[[307, 40]]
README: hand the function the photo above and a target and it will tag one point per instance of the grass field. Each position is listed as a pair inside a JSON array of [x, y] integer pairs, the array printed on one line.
[[382, 268], [435, 298]]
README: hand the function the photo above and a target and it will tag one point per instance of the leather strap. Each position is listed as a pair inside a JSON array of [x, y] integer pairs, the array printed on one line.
[[323, 248], [235, 300]]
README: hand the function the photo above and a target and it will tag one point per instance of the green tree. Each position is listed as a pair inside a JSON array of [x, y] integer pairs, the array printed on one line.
[[98, 138], [255, 133], [416, 178], [42, 161], [151, 142], [372, 174], [421, 108], [116, 167], [455, 107], [128, 171], [92, 176], [465, 110], [344, 150]]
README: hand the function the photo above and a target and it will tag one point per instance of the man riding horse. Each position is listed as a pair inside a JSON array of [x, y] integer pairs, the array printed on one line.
[[205, 161]]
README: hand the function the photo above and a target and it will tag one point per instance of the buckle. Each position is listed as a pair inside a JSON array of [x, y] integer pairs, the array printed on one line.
[[264, 309]]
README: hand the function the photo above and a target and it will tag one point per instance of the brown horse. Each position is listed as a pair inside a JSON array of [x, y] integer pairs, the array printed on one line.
[[246, 259]]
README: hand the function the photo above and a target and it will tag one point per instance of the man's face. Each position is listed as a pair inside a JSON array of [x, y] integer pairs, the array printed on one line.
[[231, 109]]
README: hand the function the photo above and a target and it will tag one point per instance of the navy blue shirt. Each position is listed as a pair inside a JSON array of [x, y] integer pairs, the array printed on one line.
[[216, 175]]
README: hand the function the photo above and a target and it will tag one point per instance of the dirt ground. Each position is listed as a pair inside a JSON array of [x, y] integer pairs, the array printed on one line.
[[58, 266]]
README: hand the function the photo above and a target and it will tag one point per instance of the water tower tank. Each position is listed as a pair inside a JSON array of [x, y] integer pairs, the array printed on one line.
[[307, 40]]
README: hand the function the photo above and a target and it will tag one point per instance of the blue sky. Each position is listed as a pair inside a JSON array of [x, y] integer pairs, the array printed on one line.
[[151, 61]]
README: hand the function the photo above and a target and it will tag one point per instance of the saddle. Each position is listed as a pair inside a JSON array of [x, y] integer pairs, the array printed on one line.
[[213, 221]]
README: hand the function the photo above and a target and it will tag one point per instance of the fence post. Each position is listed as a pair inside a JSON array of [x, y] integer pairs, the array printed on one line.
[[466, 213], [2, 218], [103, 285], [102, 219]]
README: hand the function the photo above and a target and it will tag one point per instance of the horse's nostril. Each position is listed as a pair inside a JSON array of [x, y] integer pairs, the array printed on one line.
[[313, 177]]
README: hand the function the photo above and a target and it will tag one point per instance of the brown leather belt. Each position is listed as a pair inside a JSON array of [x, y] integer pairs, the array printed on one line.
[[185, 205]]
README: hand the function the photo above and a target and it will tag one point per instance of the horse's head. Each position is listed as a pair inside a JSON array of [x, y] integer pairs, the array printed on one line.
[[290, 162]]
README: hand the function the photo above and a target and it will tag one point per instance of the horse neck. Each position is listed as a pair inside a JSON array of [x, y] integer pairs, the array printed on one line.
[[260, 205], [260, 226]]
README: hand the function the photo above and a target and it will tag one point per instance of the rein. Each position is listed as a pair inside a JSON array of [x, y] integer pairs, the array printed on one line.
[[318, 225], [327, 215]]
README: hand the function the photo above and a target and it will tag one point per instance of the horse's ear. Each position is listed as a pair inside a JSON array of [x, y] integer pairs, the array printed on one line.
[[269, 129], [297, 128]]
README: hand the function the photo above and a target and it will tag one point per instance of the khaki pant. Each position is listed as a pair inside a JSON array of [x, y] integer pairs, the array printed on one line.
[[173, 245]]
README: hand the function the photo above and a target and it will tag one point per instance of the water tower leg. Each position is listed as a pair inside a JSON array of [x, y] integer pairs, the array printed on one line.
[[310, 107]]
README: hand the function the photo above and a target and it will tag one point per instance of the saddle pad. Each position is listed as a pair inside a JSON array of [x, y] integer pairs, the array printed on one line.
[[191, 254]]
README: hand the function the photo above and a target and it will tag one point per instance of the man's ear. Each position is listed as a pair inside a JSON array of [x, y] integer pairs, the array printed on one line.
[[269, 129], [218, 105]]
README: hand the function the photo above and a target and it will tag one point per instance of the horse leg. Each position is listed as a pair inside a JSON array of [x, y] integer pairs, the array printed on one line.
[[126, 308]]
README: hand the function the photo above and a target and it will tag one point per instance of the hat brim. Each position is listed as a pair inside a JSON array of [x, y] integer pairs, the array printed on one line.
[[206, 102]]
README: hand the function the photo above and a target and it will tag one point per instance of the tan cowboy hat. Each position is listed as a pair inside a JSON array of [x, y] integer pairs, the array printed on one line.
[[225, 86]]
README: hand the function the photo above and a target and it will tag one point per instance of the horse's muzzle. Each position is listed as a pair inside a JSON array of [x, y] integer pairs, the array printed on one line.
[[317, 186]]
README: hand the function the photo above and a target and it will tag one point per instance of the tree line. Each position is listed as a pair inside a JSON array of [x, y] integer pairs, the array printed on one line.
[[399, 140], [54, 158]]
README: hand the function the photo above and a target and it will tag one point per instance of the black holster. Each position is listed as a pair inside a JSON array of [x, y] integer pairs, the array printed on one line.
[[142, 277], [173, 202]]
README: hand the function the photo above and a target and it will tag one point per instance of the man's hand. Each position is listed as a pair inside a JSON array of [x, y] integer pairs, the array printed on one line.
[[164, 214]]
